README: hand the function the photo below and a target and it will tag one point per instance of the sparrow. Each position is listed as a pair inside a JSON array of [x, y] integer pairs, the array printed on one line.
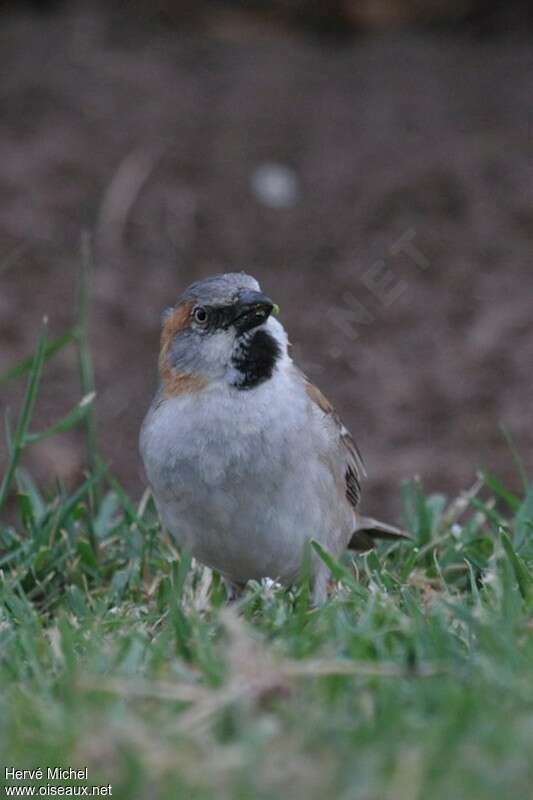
[[247, 460]]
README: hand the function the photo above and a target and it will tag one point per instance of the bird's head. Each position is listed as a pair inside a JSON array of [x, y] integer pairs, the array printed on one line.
[[221, 329]]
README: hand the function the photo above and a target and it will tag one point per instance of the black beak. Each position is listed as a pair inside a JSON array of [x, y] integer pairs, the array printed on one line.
[[251, 309]]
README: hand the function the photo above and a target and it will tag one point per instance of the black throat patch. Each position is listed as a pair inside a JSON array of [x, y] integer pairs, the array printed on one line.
[[255, 359]]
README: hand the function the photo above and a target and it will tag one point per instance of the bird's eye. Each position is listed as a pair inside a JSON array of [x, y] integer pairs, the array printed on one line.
[[200, 315]]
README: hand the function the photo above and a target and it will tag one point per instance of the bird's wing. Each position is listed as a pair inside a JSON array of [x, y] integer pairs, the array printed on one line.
[[354, 466], [367, 529]]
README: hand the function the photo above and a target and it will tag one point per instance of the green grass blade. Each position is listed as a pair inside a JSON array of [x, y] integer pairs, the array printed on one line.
[[523, 576], [25, 414], [27, 486], [75, 416], [51, 348], [517, 458], [523, 522], [500, 490], [85, 362], [73, 501]]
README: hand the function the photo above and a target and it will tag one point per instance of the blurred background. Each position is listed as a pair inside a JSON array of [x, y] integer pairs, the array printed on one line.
[[369, 161]]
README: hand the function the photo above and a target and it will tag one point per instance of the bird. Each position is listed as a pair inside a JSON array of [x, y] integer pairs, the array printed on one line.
[[247, 460]]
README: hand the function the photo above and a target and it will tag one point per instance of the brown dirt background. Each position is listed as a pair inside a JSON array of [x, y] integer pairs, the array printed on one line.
[[148, 135]]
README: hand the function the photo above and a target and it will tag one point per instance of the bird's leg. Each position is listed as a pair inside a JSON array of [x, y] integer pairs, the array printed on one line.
[[234, 591], [320, 584]]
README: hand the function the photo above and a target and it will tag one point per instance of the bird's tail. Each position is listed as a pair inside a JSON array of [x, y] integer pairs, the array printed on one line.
[[369, 529]]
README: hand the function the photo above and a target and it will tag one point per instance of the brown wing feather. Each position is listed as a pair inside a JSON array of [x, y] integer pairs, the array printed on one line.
[[367, 529], [354, 461]]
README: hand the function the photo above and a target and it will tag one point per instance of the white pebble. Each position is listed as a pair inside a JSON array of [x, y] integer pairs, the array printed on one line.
[[275, 185]]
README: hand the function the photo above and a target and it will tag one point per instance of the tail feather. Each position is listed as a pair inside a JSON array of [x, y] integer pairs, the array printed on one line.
[[369, 529]]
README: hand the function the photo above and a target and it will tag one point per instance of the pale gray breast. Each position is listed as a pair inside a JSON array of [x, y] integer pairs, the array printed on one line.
[[245, 478]]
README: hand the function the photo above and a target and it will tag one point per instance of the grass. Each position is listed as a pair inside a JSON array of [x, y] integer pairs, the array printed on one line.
[[119, 654]]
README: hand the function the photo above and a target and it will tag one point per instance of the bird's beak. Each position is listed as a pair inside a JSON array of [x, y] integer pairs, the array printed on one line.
[[251, 310]]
